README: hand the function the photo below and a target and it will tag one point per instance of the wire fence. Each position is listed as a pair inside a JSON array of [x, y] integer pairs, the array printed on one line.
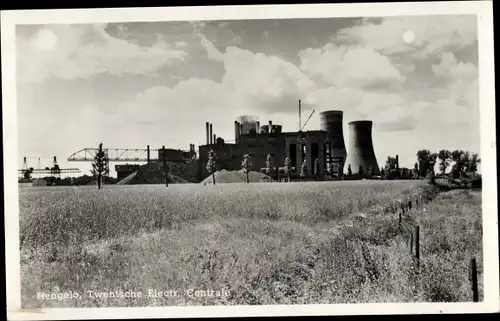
[[412, 234]]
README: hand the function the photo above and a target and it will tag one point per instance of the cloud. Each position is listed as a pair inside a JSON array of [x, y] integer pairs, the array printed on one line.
[[433, 34], [452, 69], [350, 66], [266, 83], [84, 51]]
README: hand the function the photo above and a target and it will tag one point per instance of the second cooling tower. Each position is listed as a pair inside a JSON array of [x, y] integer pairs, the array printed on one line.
[[331, 123], [360, 148]]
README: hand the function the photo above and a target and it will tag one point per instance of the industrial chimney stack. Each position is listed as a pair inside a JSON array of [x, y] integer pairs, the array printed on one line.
[[211, 135], [208, 134], [236, 131], [361, 151]]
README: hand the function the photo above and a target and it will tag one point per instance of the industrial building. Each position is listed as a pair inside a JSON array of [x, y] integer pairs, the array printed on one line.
[[326, 145]]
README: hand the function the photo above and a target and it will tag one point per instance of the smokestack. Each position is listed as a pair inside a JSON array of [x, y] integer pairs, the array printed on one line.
[[211, 136], [361, 151], [215, 139], [270, 126], [300, 121], [148, 158], [236, 131], [208, 135], [258, 127], [397, 162], [241, 128]]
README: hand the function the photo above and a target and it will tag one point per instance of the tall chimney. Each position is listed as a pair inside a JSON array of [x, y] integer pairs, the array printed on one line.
[[300, 121], [241, 128], [148, 158], [208, 137], [270, 126], [236, 132], [211, 134], [215, 139], [258, 127]]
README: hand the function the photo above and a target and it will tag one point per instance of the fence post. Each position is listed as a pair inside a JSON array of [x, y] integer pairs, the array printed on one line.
[[409, 205], [473, 279], [411, 244], [417, 244]]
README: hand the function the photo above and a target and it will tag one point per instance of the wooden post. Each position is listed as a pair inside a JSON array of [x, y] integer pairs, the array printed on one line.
[[409, 205], [473, 279], [417, 243], [411, 244]]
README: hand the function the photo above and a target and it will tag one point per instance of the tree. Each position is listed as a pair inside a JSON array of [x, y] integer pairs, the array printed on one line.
[[212, 164], [415, 170], [349, 170], [303, 169], [316, 168], [472, 164], [372, 172], [331, 170], [457, 156], [444, 156], [382, 172], [360, 171], [288, 167], [432, 176], [165, 164], [246, 165], [423, 162], [432, 162], [269, 163], [100, 165]]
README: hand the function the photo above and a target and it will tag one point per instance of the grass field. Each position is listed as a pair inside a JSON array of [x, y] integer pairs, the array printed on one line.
[[317, 242]]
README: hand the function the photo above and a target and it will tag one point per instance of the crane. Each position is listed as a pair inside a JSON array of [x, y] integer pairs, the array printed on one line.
[[307, 120], [26, 171]]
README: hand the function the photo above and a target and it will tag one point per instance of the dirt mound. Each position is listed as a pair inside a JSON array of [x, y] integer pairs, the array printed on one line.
[[152, 173], [225, 176]]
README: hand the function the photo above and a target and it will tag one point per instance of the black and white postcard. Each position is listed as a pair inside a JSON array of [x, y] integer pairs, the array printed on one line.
[[250, 160]]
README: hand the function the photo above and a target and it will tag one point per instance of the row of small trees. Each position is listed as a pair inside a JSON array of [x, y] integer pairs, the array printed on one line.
[[464, 165], [246, 165]]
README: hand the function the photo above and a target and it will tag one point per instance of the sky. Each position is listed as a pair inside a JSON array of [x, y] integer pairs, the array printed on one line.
[[134, 84]]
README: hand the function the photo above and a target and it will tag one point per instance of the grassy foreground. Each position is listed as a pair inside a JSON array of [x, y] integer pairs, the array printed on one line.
[[328, 242]]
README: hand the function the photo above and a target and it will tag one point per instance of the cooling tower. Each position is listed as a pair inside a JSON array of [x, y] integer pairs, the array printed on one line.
[[361, 148], [331, 123], [247, 122]]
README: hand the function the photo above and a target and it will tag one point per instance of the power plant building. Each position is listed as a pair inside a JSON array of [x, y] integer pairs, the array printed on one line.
[[325, 148], [258, 140]]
